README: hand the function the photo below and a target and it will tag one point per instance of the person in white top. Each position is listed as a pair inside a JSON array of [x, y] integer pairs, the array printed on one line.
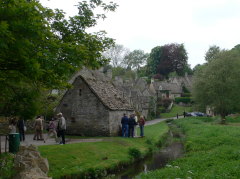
[[12, 125], [135, 126]]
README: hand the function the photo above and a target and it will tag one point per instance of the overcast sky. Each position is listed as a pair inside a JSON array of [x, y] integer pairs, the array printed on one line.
[[145, 24]]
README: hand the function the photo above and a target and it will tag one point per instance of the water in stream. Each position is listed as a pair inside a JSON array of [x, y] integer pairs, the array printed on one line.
[[156, 161]]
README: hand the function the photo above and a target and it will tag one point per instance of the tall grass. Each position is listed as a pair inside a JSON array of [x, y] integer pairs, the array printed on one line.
[[212, 151]]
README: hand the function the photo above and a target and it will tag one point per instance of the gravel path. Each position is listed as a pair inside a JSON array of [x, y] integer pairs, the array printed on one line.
[[51, 141]]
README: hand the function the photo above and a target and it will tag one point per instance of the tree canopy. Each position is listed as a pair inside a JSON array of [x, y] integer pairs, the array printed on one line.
[[40, 49], [116, 54], [168, 58], [135, 59], [217, 83]]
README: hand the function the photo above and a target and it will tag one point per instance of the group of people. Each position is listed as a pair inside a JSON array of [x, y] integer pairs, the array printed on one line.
[[129, 125], [57, 127]]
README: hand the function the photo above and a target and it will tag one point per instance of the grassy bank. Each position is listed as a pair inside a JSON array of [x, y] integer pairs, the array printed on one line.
[[212, 151], [98, 157], [176, 109], [6, 165]]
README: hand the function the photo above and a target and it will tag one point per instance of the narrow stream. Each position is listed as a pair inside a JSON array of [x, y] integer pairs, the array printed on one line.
[[153, 162]]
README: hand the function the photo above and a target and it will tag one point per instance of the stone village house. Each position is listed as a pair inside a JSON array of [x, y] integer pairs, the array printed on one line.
[[173, 87], [93, 106]]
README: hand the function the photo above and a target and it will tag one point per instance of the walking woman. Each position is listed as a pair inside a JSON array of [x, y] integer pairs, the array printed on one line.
[[51, 130]]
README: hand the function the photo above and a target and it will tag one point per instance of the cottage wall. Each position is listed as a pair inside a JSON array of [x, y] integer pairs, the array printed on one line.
[[85, 113], [115, 121]]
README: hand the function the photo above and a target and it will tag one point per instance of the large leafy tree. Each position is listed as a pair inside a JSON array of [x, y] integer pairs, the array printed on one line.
[[40, 49], [212, 53], [168, 58], [116, 54], [217, 83], [135, 59]]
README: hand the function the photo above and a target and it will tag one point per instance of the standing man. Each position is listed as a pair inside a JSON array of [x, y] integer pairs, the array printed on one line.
[[124, 123], [61, 127], [131, 124], [38, 126], [21, 125]]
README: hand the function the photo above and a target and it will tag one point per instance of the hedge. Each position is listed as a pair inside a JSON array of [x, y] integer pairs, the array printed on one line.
[[183, 100]]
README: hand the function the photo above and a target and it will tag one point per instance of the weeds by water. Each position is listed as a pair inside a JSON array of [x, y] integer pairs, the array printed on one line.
[[212, 151]]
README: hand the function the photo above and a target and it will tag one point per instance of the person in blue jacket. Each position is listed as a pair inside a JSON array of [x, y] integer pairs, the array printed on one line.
[[131, 124], [124, 123]]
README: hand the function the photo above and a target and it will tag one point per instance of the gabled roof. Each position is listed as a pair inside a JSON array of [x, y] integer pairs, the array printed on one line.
[[104, 89], [166, 86]]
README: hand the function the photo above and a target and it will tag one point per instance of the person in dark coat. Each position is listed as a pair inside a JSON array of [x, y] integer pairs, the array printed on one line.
[[131, 124], [20, 126], [124, 123]]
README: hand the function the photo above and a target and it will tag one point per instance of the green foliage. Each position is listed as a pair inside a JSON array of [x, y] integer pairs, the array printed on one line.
[[212, 152], [6, 165], [123, 73], [217, 83], [134, 153], [185, 90], [135, 59], [176, 109], [212, 53], [185, 100], [80, 159], [40, 49], [186, 95], [116, 54], [166, 59]]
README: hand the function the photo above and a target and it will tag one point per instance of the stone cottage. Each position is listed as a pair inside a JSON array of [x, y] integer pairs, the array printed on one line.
[[166, 89], [93, 106]]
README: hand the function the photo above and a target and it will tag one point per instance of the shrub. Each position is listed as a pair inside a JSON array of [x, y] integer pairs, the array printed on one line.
[[6, 165], [186, 95], [183, 100], [134, 153]]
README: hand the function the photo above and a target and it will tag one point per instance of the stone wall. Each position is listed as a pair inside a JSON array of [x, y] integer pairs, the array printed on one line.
[[30, 165], [115, 121], [85, 113]]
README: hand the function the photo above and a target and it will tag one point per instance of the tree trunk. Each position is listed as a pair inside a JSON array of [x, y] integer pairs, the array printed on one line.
[[223, 120]]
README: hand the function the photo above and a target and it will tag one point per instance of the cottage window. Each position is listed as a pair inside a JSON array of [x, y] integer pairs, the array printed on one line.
[[80, 92], [73, 119]]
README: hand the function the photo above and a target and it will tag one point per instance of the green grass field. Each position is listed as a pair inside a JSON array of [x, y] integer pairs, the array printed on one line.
[[176, 109], [95, 157], [212, 151]]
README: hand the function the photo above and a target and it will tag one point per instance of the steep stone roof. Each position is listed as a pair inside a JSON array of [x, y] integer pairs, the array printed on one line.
[[173, 87], [105, 90]]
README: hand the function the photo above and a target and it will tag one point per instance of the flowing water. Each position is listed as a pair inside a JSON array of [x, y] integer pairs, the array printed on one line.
[[153, 162]]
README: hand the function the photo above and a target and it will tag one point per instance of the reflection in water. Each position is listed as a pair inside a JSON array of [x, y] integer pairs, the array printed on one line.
[[156, 161]]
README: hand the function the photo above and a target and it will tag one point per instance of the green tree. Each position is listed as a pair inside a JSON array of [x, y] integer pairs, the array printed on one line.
[[217, 83], [116, 54], [168, 58], [212, 52], [135, 59], [40, 49]]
